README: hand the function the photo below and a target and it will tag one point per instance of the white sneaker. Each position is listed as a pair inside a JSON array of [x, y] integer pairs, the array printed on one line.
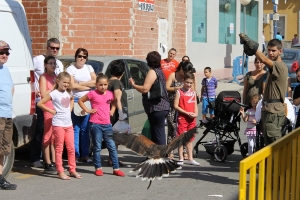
[[38, 164], [192, 162], [180, 162]]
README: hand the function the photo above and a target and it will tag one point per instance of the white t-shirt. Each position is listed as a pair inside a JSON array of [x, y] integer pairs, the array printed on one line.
[[80, 75], [39, 69], [61, 103], [263, 39], [290, 111]]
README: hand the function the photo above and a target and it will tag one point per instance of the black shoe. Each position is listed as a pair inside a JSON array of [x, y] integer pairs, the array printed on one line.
[[50, 168], [5, 185]]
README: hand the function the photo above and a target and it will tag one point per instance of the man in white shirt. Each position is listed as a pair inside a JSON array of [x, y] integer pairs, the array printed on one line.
[[53, 46]]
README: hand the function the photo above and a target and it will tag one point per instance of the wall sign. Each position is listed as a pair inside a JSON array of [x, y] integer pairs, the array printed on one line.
[[146, 5]]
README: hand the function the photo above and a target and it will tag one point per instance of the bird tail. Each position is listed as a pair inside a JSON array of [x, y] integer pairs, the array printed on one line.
[[155, 168]]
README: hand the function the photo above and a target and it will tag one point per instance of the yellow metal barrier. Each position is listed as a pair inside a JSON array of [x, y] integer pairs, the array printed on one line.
[[274, 171]]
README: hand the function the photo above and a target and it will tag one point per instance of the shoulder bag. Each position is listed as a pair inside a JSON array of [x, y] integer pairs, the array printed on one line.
[[156, 90]]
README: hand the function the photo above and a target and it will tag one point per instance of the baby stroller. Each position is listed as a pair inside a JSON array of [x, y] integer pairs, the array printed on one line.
[[225, 126]]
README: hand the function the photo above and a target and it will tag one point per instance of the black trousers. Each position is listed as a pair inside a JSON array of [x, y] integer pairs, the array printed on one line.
[[36, 142], [157, 126]]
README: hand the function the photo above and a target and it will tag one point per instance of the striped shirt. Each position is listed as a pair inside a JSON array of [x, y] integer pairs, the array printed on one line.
[[211, 86]]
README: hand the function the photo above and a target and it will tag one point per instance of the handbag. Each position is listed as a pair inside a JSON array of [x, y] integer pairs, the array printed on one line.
[[156, 90], [146, 130], [211, 104], [77, 109]]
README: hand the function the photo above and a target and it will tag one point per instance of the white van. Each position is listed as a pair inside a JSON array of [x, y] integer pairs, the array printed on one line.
[[14, 30]]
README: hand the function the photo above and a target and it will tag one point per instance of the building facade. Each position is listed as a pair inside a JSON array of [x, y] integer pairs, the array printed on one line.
[[110, 27], [207, 31], [213, 28], [289, 19]]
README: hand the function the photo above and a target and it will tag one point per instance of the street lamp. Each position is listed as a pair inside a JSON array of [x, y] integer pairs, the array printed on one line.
[[244, 3]]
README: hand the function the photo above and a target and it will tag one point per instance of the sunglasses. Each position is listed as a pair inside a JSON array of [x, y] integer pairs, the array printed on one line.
[[6, 53], [81, 56], [54, 48], [185, 60]]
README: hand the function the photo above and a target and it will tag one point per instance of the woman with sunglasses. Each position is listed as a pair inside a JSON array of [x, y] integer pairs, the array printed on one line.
[[83, 78], [254, 82], [46, 85]]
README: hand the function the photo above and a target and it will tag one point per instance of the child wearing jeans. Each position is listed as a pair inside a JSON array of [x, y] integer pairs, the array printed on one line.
[[100, 125], [186, 104], [63, 103], [208, 93], [249, 117]]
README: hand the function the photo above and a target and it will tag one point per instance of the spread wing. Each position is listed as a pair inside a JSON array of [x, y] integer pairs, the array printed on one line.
[[136, 142], [181, 140]]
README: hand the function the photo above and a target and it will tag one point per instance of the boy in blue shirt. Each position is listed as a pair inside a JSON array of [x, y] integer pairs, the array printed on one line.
[[208, 93]]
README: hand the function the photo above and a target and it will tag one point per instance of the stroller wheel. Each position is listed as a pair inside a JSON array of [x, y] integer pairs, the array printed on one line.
[[220, 153], [244, 149], [195, 152]]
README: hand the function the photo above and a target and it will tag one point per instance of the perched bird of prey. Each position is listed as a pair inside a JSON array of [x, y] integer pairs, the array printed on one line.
[[158, 165]]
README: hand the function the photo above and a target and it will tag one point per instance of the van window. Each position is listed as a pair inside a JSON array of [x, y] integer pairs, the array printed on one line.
[[137, 71], [15, 36], [123, 79]]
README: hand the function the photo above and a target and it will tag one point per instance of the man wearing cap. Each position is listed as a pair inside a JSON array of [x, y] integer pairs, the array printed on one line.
[[53, 46], [6, 124]]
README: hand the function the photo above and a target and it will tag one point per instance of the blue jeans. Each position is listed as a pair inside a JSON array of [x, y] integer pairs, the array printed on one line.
[[205, 105], [82, 133], [99, 132]]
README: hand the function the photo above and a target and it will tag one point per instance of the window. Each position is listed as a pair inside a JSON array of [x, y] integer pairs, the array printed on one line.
[[281, 26], [288, 56], [137, 71], [124, 79], [199, 21], [97, 66], [227, 19], [251, 20]]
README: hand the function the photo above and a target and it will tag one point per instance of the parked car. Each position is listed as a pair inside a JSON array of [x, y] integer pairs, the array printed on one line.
[[135, 68], [291, 57], [20, 65], [296, 46]]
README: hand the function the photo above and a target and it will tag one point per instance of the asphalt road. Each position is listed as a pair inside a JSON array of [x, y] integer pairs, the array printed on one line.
[[191, 182]]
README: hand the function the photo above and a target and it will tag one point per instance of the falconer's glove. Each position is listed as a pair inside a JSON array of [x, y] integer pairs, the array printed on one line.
[[250, 46]]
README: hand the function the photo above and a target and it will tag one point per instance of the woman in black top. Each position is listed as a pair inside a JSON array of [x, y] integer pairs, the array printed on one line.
[[158, 109], [117, 69], [296, 96]]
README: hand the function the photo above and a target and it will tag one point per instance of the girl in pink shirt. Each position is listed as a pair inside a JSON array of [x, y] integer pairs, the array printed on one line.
[[63, 132], [100, 126]]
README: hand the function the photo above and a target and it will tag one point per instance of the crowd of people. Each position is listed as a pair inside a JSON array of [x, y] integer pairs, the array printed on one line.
[[75, 103]]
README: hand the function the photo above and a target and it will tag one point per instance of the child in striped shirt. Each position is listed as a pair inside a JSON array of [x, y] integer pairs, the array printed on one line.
[[208, 93], [249, 117]]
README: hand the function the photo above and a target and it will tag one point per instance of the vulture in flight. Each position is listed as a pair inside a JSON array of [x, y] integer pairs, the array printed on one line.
[[157, 165]]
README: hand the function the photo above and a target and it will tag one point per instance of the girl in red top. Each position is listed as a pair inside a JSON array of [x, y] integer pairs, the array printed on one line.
[[186, 104]]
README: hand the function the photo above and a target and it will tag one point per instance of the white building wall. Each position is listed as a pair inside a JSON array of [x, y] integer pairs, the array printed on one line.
[[212, 53]]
